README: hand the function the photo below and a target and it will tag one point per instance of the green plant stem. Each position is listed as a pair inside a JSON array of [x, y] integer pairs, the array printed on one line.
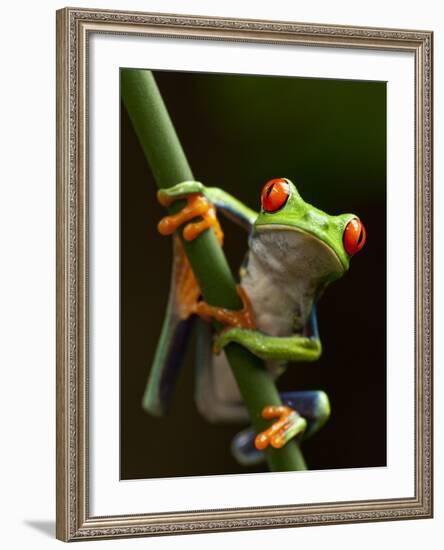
[[169, 165]]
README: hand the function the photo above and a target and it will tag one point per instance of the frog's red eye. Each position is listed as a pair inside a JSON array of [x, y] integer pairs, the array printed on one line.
[[354, 236], [275, 194]]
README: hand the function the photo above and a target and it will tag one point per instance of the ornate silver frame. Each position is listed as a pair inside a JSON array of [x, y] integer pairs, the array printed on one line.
[[74, 521]]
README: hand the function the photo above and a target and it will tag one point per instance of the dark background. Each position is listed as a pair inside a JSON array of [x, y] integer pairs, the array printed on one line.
[[329, 138]]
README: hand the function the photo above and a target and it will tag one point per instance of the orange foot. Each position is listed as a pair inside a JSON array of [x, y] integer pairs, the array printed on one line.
[[289, 425], [242, 318], [197, 206]]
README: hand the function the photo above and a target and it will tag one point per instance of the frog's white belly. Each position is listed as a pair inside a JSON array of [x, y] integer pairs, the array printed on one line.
[[285, 271], [278, 311]]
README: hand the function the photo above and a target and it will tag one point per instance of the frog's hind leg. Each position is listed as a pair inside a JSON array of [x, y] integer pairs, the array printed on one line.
[[217, 394], [244, 450], [175, 335], [313, 406]]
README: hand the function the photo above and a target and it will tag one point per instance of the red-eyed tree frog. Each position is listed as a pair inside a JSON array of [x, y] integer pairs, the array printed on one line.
[[295, 251]]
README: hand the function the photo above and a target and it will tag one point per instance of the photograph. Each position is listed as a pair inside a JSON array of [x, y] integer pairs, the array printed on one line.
[[289, 174], [244, 251], [219, 224]]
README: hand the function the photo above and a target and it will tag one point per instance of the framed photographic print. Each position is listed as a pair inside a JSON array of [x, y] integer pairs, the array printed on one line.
[[244, 274]]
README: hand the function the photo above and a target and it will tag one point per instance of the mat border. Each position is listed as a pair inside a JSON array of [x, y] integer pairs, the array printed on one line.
[[74, 25]]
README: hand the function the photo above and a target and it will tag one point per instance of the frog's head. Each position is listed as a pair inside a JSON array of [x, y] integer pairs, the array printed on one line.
[[334, 238]]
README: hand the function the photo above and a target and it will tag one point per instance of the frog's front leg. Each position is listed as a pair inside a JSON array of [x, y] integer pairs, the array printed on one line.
[[280, 348], [197, 206]]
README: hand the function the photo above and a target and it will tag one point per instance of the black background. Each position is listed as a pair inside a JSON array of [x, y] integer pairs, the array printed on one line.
[[329, 138]]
